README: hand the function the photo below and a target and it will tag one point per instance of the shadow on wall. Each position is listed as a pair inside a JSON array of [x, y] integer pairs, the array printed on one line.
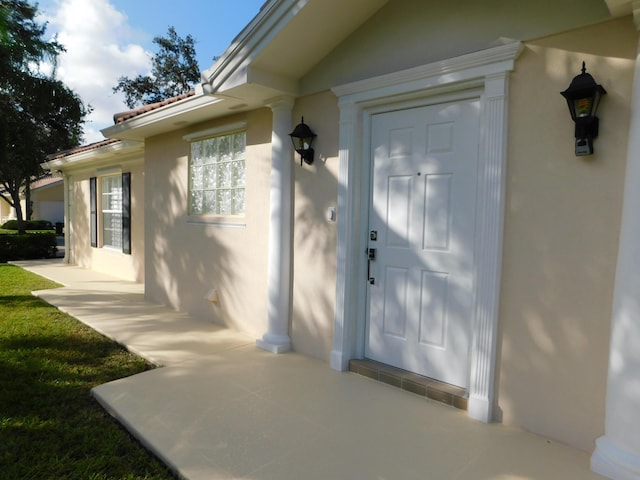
[[189, 260], [561, 237], [314, 261], [176, 252], [314, 237]]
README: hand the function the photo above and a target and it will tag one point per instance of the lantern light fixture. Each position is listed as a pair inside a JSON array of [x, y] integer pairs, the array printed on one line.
[[302, 138], [583, 98]]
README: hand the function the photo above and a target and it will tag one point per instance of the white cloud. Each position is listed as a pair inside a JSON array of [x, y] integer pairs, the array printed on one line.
[[100, 48]]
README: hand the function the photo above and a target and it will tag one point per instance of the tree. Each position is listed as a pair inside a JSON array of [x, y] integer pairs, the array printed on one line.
[[38, 113], [174, 71]]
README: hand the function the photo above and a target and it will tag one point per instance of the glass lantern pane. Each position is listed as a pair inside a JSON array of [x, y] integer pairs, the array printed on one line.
[[583, 107]]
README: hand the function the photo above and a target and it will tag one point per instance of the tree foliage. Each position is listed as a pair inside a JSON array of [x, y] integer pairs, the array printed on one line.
[[38, 113], [174, 71]]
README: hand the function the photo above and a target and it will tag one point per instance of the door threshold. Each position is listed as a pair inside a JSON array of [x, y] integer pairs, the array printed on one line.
[[424, 386]]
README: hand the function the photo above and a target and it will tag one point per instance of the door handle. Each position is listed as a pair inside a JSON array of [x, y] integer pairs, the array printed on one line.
[[371, 257]]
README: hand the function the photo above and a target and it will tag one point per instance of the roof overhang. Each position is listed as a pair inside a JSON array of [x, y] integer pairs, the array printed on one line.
[[266, 60], [269, 57], [45, 183], [284, 41], [110, 154]]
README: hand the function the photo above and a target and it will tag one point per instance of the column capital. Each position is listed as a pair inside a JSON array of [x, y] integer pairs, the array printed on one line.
[[282, 101]]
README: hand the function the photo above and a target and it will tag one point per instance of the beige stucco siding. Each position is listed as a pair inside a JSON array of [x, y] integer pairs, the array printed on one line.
[[53, 193], [316, 191], [561, 235], [561, 225], [106, 260], [562, 213], [189, 257], [6, 211], [410, 33]]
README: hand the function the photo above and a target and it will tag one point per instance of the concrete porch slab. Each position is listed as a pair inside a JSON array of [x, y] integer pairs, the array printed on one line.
[[223, 409]]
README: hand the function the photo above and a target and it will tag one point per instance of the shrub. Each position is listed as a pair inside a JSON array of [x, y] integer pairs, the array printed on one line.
[[28, 246], [29, 225]]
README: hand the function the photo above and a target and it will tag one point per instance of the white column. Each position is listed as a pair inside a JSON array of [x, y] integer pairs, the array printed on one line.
[[67, 218], [617, 453], [276, 339]]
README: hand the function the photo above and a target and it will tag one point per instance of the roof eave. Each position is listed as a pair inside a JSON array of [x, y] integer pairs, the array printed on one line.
[[162, 119], [284, 41], [237, 56], [118, 151]]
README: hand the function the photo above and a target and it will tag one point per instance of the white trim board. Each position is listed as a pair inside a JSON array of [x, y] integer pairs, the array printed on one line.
[[483, 74]]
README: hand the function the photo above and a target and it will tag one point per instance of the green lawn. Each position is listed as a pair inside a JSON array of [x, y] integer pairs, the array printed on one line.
[[50, 426]]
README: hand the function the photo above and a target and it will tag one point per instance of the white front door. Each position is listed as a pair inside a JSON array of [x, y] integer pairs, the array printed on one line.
[[422, 226]]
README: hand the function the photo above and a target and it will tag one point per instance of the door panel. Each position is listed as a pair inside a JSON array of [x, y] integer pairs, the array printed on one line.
[[423, 207]]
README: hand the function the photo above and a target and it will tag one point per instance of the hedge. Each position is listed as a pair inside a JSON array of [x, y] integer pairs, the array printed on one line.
[[29, 225], [28, 246]]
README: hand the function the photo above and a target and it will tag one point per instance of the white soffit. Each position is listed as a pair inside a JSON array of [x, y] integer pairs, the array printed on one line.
[[112, 153], [286, 39], [170, 117]]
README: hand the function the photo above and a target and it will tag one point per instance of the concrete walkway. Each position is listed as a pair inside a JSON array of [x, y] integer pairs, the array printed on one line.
[[223, 409]]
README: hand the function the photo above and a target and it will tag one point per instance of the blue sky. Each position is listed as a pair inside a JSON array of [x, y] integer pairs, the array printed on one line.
[[106, 39], [213, 23]]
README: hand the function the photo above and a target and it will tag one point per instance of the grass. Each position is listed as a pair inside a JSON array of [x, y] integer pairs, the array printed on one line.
[[50, 425]]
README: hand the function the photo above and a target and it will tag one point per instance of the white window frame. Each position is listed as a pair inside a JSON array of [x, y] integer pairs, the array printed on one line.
[[102, 224]]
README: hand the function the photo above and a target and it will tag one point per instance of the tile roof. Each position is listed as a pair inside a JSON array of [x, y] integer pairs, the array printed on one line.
[[81, 148], [119, 118], [124, 116], [45, 181]]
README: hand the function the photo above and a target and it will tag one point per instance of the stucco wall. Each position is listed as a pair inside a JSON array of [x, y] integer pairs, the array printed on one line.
[[6, 211], [409, 33], [314, 275], [188, 257], [128, 267], [561, 235], [562, 214]]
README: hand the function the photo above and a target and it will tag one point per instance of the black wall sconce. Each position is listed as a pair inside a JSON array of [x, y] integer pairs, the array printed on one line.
[[583, 97], [302, 138]]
